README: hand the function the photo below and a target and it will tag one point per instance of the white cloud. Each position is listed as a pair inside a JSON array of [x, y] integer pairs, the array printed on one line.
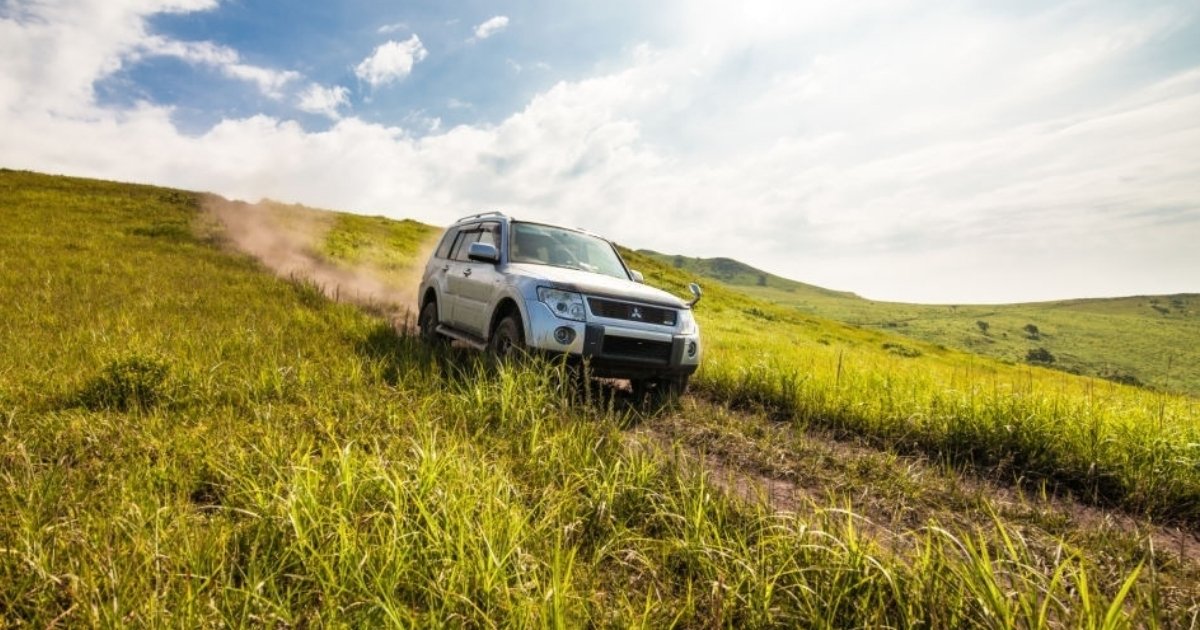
[[57, 51], [270, 82], [52, 53], [318, 99], [491, 26], [392, 28], [391, 61], [222, 58], [909, 153], [205, 53]]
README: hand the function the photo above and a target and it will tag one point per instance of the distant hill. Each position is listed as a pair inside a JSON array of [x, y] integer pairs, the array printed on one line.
[[737, 273], [1151, 340]]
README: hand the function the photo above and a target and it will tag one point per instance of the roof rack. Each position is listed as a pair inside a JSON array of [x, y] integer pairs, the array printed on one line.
[[482, 214]]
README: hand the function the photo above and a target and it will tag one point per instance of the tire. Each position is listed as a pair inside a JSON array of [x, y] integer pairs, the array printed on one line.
[[508, 339], [659, 392], [427, 323], [675, 386]]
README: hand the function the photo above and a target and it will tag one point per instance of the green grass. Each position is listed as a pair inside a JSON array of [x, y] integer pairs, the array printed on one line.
[[188, 440], [1148, 340], [1104, 442], [380, 243]]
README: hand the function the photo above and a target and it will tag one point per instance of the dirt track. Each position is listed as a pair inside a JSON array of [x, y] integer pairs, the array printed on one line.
[[792, 470]]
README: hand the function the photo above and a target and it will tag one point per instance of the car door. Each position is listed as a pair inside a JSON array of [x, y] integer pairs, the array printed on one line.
[[435, 274], [477, 284], [455, 274]]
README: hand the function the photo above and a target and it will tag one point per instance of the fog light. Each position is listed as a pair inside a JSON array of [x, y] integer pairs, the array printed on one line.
[[564, 335], [691, 348]]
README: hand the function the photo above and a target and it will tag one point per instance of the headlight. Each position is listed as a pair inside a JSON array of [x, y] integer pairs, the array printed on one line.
[[565, 304], [687, 323]]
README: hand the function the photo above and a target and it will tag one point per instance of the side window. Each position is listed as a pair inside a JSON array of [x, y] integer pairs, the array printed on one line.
[[443, 250], [490, 234], [464, 241]]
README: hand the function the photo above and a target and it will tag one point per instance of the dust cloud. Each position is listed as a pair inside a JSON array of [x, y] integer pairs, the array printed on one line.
[[287, 238]]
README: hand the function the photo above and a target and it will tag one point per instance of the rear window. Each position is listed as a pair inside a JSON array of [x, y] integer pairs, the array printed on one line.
[[443, 250]]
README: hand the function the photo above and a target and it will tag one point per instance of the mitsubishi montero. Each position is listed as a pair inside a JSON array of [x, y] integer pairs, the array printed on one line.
[[501, 284]]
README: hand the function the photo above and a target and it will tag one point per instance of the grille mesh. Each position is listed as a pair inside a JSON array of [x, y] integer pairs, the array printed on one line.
[[632, 312], [624, 347]]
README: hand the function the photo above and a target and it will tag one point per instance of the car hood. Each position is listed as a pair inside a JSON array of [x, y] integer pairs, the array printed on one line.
[[596, 284]]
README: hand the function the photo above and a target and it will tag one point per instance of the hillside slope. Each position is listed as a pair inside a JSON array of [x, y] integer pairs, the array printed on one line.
[[739, 274], [1150, 340], [190, 440]]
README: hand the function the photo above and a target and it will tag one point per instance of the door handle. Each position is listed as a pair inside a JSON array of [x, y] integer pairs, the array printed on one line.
[[467, 271], [445, 268]]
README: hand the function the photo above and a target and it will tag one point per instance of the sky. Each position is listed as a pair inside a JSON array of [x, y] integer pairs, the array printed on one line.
[[911, 150]]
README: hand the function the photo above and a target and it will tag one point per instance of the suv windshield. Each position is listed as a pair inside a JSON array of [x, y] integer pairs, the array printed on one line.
[[546, 245]]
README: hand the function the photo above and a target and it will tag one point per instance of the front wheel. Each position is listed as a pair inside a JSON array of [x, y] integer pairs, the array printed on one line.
[[660, 392], [427, 323], [508, 340]]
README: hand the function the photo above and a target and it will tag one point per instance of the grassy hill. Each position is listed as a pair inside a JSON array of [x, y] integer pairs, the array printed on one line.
[[191, 440], [1149, 340], [735, 273]]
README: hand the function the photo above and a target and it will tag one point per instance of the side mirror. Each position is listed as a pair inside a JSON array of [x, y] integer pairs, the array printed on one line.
[[696, 294], [483, 252], [637, 276]]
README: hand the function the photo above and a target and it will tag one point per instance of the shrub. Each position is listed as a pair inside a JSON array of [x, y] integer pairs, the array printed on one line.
[[983, 326], [1032, 331], [758, 313], [1039, 355], [174, 232], [1123, 378], [130, 382], [901, 350]]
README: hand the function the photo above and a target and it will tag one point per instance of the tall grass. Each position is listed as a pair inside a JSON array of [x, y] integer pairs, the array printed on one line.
[[1110, 444], [285, 460], [1107, 443], [481, 496]]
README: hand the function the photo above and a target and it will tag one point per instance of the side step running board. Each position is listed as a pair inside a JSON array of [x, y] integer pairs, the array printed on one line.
[[467, 338]]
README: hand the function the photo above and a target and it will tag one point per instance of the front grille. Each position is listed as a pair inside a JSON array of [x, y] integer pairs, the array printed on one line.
[[632, 312], [640, 349]]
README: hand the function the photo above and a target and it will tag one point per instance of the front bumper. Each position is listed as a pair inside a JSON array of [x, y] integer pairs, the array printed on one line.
[[613, 348]]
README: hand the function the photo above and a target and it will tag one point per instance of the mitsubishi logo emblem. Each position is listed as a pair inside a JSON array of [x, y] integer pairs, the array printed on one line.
[[636, 313]]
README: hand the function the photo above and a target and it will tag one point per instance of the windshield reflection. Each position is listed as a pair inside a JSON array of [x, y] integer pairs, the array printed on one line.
[[547, 245]]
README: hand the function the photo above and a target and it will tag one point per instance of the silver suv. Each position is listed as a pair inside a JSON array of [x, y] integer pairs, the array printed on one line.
[[501, 284]]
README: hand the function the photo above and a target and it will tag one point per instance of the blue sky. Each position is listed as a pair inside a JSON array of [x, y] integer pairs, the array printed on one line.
[[921, 150], [462, 79]]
